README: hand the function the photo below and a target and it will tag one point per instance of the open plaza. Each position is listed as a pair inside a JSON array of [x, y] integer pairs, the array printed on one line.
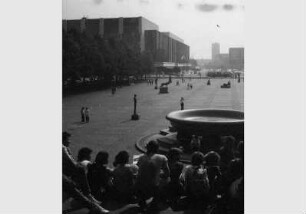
[[111, 128]]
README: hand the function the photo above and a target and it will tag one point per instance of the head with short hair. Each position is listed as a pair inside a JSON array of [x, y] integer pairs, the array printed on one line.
[[121, 158], [101, 158], [84, 154], [174, 154], [152, 147], [66, 138], [212, 158], [197, 158]]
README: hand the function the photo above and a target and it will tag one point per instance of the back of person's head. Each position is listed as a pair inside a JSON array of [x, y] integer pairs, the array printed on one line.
[[102, 158], [121, 158], [174, 154], [84, 154], [65, 138], [197, 158], [212, 158], [152, 147]]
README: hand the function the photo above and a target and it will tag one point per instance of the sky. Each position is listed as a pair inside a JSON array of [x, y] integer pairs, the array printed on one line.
[[198, 22]]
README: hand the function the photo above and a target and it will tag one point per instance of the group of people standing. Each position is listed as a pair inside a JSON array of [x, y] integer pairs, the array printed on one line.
[[150, 81], [85, 115], [189, 86]]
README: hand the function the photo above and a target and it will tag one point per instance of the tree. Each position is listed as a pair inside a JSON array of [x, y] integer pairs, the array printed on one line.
[[90, 59]]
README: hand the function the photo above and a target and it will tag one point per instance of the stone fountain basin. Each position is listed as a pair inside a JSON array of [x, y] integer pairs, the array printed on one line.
[[207, 122]]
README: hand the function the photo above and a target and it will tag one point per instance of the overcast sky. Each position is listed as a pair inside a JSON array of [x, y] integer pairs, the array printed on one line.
[[195, 21]]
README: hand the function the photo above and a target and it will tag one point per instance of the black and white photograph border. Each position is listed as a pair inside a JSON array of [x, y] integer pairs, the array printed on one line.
[[275, 163]]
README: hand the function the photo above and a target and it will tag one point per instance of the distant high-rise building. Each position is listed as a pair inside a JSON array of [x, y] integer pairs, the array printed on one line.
[[215, 50], [236, 58]]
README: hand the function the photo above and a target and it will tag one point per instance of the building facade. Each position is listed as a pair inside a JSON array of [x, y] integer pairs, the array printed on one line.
[[236, 58], [165, 47], [138, 32]]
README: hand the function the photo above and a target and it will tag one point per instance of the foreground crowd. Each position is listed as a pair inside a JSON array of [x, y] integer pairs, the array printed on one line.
[[213, 181]]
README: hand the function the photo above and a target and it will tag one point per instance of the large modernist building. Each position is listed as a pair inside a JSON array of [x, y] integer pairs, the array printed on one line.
[[139, 33], [166, 47]]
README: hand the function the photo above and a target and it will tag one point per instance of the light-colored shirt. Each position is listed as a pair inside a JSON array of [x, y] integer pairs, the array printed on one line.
[[160, 163], [124, 177]]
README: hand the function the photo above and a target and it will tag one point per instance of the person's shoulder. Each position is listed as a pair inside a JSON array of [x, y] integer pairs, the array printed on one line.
[[109, 171], [142, 157], [91, 167], [133, 168], [85, 163], [117, 171], [161, 157], [105, 170], [189, 169]]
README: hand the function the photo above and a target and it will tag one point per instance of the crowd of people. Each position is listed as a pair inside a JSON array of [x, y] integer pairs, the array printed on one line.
[[214, 180]]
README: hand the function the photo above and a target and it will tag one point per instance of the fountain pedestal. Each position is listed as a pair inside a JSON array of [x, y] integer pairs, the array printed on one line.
[[210, 124], [163, 90], [207, 122]]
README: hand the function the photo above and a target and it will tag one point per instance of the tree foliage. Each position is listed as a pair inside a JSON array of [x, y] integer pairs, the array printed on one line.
[[88, 60]]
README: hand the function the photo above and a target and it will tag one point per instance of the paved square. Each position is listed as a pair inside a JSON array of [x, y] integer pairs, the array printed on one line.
[[111, 128]]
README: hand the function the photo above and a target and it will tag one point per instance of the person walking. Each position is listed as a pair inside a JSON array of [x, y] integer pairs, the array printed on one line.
[[182, 103], [135, 103], [87, 114], [83, 114]]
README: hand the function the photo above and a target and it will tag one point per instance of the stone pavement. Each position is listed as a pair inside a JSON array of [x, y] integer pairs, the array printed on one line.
[[111, 128]]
